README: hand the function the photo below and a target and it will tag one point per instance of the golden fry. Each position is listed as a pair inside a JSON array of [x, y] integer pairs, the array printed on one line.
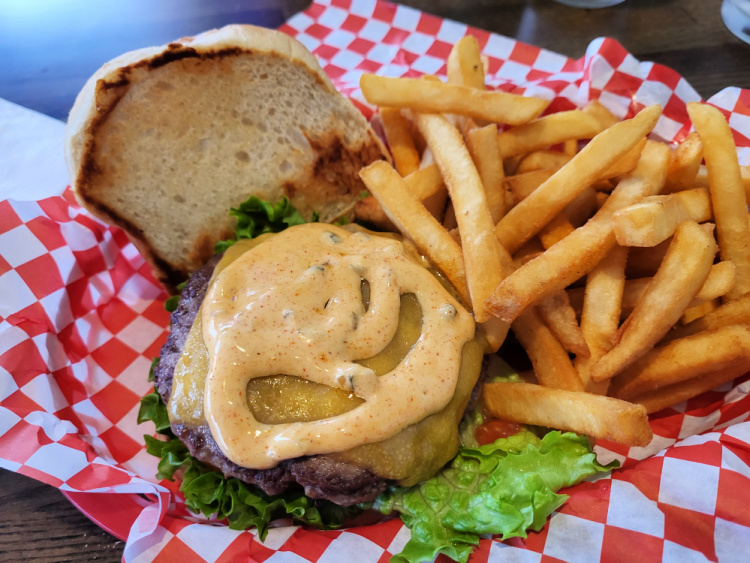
[[684, 164], [400, 142], [683, 359], [678, 392], [548, 131], [485, 266], [560, 318], [465, 63], [603, 418], [727, 191], [430, 96], [685, 268], [415, 222], [600, 315], [482, 144], [552, 365]]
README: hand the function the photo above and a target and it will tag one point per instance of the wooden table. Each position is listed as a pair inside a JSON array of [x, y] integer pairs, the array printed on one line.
[[50, 48]]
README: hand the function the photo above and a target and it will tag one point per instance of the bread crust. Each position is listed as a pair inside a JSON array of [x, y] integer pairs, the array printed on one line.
[[335, 162]]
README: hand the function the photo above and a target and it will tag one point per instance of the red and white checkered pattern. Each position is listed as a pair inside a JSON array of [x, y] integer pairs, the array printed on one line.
[[81, 317]]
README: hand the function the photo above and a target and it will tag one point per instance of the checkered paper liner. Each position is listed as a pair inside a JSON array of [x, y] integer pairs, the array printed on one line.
[[81, 317]]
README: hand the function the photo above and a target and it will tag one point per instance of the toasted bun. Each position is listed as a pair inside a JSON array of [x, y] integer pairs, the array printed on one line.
[[163, 141]]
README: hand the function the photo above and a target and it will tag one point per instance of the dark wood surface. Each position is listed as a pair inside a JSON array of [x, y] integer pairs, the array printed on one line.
[[50, 48]]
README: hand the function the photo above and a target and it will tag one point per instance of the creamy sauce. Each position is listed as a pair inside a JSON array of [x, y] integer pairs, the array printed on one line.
[[293, 305]]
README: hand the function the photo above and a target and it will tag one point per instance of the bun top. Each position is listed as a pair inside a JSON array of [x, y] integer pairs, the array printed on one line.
[[163, 141]]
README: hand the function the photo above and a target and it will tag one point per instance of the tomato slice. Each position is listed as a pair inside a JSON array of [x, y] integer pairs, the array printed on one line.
[[489, 431]]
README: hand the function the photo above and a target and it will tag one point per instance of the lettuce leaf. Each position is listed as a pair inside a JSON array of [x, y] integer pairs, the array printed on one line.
[[504, 488], [207, 491], [256, 217]]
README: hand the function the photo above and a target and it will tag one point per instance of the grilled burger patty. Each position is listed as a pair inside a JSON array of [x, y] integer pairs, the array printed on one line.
[[320, 476]]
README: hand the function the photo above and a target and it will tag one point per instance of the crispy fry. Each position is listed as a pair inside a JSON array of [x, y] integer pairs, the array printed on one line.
[[484, 263], [578, 253], [465, 63], [415, 222], [427, 186], [565, 222], [600, 417], [735, 312], [543, 160], [521, 185], [685, 268], [430, 96], [398, 133], [626, 163], [654, 219], [530, 215], [696, 312], [600, 315], [551, 363], [678, 392], [560, 318], [701, 179], [547, 131], [684, 164], [684, 359], [482, 144], [727, 191], [605, 117], [719, 281]]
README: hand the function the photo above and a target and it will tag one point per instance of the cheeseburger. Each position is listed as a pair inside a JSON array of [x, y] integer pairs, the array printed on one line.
[[312, 370]]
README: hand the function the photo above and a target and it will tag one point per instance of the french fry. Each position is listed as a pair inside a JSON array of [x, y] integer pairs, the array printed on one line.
[[682, 273], [626, 163], [398, 133], [484, 263], [482, 144], [734, 312], [600, 417], [578, 253], [564, 223], [465, 64], [550, 360], [684, 359], [430, 96], [727, 191], [678, 392], [654, 219], [560, 318], [597, 110], [701, 179], [530, 215], [600, 315], [719, 281], [415, 222], [684, 164], [521, 185], [696, 312], [548, 131], [543, 160], [426, 184], [570, 147]]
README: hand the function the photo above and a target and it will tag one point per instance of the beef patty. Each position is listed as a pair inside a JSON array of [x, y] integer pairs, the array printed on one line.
[[320, 476]]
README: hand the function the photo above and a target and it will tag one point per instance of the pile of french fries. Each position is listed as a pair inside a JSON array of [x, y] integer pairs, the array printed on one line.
[[621, 263]]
